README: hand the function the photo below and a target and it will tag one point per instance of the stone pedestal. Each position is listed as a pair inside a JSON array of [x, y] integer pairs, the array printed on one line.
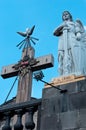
[[64, 111]]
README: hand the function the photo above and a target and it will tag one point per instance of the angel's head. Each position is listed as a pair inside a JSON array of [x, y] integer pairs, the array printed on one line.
[[67, 16]]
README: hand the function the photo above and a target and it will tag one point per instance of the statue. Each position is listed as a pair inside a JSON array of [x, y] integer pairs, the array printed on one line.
[[71, 46]]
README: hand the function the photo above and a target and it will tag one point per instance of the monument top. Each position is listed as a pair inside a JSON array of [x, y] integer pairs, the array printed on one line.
[[28, 39]]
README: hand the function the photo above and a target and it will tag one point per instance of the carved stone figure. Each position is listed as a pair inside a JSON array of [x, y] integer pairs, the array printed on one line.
[[71, 46]]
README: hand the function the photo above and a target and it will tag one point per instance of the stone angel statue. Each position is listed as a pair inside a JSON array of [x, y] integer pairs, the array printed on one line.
[[71, 46]]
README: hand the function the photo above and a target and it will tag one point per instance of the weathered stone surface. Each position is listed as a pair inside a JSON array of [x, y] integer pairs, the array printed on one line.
[[51, 122], [66, 80], [43, 63], [64, 111], [68, 120]]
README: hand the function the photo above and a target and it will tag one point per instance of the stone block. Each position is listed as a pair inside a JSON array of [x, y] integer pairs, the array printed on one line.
[[64, 111]]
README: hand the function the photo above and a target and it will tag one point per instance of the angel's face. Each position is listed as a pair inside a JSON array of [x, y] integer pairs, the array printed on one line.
[[66, 16]]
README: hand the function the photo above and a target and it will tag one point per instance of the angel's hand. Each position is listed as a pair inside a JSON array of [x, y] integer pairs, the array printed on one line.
[[78, 36], [66, 28]]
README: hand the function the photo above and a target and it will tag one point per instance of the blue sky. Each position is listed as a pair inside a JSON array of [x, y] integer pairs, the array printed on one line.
[[46, 15]]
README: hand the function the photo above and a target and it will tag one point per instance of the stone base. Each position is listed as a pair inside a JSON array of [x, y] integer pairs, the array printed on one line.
[[64, 111], [65, 80]]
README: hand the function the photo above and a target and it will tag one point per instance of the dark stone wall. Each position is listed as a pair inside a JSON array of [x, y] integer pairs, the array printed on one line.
[[64, 111]]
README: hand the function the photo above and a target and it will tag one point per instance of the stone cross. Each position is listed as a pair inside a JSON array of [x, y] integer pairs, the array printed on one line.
[[25, 68]]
